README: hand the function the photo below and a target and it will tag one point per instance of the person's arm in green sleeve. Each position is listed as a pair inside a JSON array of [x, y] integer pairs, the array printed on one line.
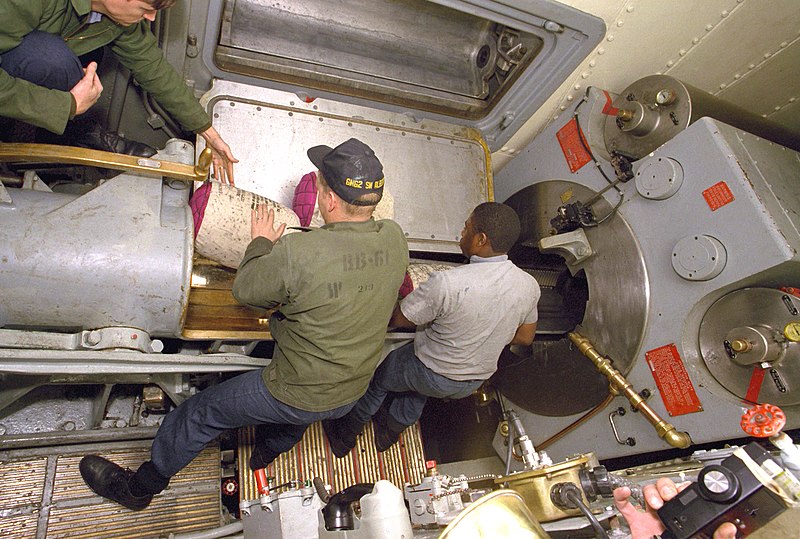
[[259, 280], [137, 49]]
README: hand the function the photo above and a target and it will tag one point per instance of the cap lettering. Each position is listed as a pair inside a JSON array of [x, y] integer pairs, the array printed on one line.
[[361, 184], [353, 183]]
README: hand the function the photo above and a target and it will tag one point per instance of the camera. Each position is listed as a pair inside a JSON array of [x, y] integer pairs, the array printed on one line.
[[725, 492]]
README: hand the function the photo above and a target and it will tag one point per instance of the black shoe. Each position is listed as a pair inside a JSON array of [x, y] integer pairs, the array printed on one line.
[[111, 481], [261, 457], [99, 138], [387, 430], [342, 434], [272, 439]]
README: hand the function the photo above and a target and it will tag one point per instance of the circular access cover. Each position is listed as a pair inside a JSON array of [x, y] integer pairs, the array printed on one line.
[[775, 378], [699, 257]]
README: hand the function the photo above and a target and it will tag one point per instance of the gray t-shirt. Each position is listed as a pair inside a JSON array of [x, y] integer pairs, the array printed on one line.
[[466, 315]]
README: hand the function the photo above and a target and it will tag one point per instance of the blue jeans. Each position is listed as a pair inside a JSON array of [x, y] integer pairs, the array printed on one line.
[[411, 382], [238, 402], [45, 60]]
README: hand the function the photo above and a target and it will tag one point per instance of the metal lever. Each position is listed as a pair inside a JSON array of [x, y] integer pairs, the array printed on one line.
[[51, 153]]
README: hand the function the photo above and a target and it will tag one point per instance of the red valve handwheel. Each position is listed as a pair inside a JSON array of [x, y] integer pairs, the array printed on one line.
[[763, 420], [229, 487]]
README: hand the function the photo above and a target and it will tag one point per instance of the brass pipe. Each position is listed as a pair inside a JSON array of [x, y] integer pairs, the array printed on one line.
[[621, 386], [69, 155]]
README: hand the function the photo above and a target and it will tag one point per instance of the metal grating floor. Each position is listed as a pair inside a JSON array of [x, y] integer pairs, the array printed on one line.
[[402, 463], [44, 497]]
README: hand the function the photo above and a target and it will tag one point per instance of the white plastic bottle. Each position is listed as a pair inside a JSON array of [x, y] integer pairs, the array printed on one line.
[[384, 514]]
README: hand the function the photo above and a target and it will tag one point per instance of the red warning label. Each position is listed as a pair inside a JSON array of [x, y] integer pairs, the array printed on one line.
[[673, 381], [754, 387], [718, 195], [569, 137]]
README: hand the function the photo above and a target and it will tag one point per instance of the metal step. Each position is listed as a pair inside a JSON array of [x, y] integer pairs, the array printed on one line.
[[44, 497], [402, 463]]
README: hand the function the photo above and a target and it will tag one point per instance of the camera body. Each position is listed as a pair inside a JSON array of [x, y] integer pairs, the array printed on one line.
[[725, 492]]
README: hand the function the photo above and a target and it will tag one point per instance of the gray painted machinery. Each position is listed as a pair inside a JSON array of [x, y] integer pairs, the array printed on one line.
[[686, 233]]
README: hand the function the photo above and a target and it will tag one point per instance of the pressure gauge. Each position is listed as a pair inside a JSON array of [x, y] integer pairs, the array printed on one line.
[[666, 96], [792, 331]]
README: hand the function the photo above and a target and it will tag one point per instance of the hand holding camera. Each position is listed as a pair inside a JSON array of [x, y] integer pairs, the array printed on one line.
[[645, 524]]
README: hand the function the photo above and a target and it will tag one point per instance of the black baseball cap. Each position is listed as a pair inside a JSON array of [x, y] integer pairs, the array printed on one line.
[[351, 170]]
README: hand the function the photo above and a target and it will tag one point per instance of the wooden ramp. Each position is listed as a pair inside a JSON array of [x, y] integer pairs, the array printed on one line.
[[213, 313]]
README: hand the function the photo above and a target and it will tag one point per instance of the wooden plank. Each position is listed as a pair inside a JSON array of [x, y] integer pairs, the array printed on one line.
[[202, 334], [227, 311], [213, 313], [211, 296], [217, 324]]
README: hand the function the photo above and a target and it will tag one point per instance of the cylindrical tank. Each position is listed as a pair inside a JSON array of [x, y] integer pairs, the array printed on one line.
[[654, 109], [384, 514], [501, 514], [119, 255]]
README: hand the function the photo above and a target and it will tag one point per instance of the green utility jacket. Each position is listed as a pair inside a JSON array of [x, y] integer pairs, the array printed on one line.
[[135, 46], [336, 287]]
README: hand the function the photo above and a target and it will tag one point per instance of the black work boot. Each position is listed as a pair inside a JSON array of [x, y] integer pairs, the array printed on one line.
[[387, 429], [262, 457], [342, 434], [94, 136], [110, 481], [272, 439]]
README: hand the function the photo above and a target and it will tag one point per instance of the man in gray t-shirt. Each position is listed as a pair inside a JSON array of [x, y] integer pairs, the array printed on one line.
[[464, 317]]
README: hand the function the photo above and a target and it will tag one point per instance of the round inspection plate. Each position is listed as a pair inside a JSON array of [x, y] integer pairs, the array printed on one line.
[[699, 257], [658, 178]]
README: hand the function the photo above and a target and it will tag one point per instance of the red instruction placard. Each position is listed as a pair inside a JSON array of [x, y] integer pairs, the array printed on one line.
[[569, 137], [718, 195], [673, 381]]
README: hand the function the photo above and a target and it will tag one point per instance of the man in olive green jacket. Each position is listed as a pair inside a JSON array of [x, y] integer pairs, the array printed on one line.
[[335, 286], [42, 82]]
